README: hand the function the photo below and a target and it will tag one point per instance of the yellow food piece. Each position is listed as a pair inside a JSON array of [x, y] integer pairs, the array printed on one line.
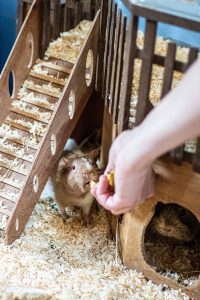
[[110, 177], [93, 184]]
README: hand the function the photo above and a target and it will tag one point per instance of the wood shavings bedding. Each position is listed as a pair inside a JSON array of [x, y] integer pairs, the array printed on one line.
[[71, 262], [67, 47]]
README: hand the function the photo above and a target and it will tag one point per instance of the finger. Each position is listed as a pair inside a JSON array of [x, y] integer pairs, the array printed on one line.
[[103, 199], [121, 211], [103, 185]]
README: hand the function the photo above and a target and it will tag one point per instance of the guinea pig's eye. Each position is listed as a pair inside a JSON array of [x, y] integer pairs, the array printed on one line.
[[73, 167]]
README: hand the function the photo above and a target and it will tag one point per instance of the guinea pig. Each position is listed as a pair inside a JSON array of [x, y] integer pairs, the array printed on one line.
[[174, 224], [71, 182]]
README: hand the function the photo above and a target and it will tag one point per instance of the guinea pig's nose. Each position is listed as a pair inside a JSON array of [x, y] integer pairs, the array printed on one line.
[[86, 175]]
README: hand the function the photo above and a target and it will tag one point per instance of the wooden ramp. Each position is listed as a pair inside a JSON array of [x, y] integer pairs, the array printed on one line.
[[33, 132]]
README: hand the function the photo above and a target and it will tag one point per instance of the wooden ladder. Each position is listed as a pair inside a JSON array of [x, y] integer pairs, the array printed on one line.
[[25, 170]]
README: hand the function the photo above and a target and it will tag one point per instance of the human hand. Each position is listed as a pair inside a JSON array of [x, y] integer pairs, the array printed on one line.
[[134, 181]]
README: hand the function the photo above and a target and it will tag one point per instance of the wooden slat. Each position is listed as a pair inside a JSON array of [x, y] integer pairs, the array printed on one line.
[[110, 53], [19, 142], [169, 68], [12, 184], [58, 58], [106, 53], [190, 22], [47, 78], [55, 67], [78, 12], [27, 114], [178, 153], [7, 197], [15, 169], [115, 60], [56, 18], [42, 91], [40, 105], [102, 41], [5, 211], [4, 151], [46, 33], [18, 126], [144, 105], [129, 56], [67, 17], [119, 70]]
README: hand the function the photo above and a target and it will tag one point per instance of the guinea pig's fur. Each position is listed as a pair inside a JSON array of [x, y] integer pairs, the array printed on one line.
[[71, 181], [175, 224]]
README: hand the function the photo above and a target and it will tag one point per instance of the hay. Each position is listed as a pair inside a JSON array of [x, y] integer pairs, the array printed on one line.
[[71, 261]]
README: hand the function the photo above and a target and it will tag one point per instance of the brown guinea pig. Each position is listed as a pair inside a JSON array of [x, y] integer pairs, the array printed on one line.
[[174, 224], [71, 181]]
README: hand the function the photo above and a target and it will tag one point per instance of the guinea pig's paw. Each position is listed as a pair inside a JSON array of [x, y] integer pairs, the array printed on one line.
[[85, 220], [64, 216]]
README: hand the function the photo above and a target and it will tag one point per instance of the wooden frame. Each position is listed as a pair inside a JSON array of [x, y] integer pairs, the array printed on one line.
[[61, 124], [172, 181]]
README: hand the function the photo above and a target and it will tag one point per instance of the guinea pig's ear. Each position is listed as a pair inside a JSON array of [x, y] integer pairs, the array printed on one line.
[[62, 164], [93, 155]]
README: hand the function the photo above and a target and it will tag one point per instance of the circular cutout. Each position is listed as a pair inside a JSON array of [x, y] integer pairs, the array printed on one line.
[[11, 83], [35, 183], [173, 231], [89, 67], [17, 224], [53, 144], [71, 105], [30, 45]]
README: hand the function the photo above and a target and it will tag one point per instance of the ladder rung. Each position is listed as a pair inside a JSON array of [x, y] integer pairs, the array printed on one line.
[[47, 78], [14, 169], [27, 114], [41, 105], [11, 183], [14, 155], [5, 211], [44, 92], [7, 197], [19, 126], [19, 142], [59, 58], [55, 67]]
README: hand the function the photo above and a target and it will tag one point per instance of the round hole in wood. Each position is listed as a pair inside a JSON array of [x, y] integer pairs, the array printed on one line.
[[71, 105], [11, 83], [30, 46], [89, 67], [53, 144], [17, 224], [35, 183]]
